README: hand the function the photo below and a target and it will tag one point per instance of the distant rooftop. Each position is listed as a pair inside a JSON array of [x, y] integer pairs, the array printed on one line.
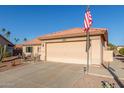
[[120, 46], [35, 41]]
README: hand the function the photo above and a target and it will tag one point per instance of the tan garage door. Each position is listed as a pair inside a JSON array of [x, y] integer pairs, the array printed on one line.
[[67, 52]]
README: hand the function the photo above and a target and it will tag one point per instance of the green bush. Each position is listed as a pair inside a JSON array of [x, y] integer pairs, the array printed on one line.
[[7, 54], [111, 46], [121, 51]]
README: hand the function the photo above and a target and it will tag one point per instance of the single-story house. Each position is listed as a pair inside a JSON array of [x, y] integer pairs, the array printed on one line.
[[69, 46], [17, 49], [119, 47], [9, 45], [32, 47]]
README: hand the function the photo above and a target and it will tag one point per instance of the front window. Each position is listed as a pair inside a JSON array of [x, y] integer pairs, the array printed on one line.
[[29, 49]]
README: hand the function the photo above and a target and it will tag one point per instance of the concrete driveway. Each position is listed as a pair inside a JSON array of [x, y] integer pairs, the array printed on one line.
[[42, 75]]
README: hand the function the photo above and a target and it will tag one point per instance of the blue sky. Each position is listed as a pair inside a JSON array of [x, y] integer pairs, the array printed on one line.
[[34, 21]]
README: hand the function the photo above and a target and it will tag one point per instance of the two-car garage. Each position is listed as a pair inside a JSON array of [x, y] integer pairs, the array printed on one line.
[[69, 46], [67, 52]]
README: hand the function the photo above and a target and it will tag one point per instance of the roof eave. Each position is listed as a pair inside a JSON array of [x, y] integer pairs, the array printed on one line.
[[30, 44], [7, 41], [73, 35]]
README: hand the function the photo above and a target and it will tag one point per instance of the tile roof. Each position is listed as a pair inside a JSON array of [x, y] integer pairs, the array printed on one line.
[[68, 33], [76, 32], [18, 46], [35, 41]]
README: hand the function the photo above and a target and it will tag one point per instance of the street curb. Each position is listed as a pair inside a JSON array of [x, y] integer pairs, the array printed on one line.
[[104, 76]]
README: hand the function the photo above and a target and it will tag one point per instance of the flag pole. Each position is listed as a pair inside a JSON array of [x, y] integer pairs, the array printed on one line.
[[88, 51], [87, 25], [88, 41]]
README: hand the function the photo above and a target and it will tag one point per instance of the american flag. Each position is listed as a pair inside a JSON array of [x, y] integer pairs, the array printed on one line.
[[87, 25], [87, 20]]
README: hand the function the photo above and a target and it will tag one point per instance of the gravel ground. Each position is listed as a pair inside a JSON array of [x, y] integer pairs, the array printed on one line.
[[91, 81]]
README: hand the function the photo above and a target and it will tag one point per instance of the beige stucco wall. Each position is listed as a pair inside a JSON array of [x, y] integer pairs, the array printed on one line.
[[96, 54], [107, 56], [35, 50], [95, 49]]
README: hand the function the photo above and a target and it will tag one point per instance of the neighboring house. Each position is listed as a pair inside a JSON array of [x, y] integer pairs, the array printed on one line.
[[69, 46], [9, 45], [32, 47], [17, 49], [119, 47]]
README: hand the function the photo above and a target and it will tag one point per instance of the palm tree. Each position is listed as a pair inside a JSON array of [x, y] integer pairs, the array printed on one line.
[[25, 39], [3, 30], [16, 40], [7, 34]]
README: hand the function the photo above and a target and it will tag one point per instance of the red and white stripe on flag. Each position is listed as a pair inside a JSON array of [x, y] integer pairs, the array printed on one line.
[[87, 20]]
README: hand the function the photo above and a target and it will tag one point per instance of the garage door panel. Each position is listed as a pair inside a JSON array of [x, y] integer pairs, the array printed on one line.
[[67, 52]]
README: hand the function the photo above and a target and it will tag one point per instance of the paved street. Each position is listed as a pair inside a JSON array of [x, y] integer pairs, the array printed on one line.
[[53, 75], [119, 58]]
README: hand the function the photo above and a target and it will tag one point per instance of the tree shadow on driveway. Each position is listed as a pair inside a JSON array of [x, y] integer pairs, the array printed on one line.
[[111, 71]]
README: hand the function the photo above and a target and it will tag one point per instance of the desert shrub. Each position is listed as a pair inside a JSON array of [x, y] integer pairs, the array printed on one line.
[[111, 46], [7, 54], [121, 51]]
